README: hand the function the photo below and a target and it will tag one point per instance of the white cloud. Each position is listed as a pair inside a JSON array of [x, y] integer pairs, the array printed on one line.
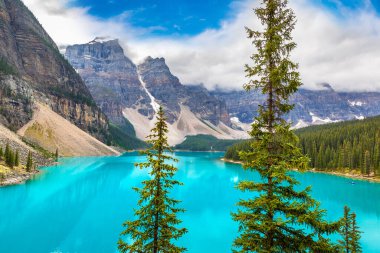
[[342, 51]]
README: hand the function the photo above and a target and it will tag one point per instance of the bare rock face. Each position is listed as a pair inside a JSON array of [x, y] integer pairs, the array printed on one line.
[[169, 92], [30, 55], [111, 77]]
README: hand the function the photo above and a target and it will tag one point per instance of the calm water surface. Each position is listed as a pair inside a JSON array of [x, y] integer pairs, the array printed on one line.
[[79, 206]]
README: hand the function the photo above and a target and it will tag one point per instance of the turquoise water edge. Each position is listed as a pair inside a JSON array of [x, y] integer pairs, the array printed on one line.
[[79, 205]]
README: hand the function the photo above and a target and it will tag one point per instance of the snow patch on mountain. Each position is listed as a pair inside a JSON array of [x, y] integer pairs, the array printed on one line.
[[238, 124], [319, 121], [101, 39], [356, 103], [153, 102], [300, 124]]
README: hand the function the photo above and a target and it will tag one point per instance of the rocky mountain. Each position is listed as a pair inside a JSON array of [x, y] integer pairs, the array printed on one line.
[[105, 63], [312, 107], [126, 91], [168, 90], [32, 71]]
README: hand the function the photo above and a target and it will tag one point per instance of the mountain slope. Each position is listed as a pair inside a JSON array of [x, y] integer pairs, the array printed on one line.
[[36, 71], [50, 131]]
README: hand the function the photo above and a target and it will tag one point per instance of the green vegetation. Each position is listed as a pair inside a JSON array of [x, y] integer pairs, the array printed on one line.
[[345, 146], [352, 145], [233, 152], [29, 162], [275, 216], [10, 157], [125, 138], [56, 155], [154, 229], [350, 233], [205, 143], [5, 68]]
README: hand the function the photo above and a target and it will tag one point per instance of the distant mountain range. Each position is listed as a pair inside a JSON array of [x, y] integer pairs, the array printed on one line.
[[126, 91], [97, 94], [312, 107]]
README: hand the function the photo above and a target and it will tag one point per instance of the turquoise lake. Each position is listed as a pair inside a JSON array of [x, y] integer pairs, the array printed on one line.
[[79, 206]]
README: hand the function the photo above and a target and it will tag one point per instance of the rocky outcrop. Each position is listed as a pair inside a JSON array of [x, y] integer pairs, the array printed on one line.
[[33, 59], [169, 92]]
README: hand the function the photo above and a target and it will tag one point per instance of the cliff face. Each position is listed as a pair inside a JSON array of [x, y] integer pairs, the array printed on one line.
[[111, 77], [169, 92], [29, 55]]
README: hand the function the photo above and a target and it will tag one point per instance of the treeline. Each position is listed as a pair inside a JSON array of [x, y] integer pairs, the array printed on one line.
[[11, 158], [353, 145], [205, 143]]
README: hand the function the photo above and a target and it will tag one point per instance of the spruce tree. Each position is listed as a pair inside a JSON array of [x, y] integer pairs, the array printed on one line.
[[56, 155], [6, 153], [278, 217], [355, 235], [1, 153], [17, 159], [29, 162], [345, 230], [155, 227], [10, 159], [350, 233]]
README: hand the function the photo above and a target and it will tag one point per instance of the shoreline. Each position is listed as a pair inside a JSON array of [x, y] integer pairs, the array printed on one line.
[[19, 178], [334, 173]]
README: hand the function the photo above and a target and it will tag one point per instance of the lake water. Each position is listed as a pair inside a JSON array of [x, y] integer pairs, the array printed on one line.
[[79, 206]]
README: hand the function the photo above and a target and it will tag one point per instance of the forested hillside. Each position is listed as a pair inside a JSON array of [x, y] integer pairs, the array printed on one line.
[[353, 145], [205, 143]]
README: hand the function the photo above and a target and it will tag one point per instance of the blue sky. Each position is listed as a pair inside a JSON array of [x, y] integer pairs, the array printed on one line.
[[204, 41], [165, 17], [186, 17]]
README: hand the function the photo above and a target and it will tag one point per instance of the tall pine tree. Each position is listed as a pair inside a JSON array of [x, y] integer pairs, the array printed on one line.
[[17, 159], [355, 235], [29, 162], [350, 233], [155, 228], [278, 217]]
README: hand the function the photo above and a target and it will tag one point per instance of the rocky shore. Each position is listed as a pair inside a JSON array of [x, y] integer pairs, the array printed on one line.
[[17, 178]]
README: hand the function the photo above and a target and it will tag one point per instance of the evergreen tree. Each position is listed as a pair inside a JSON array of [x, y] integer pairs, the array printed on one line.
[[367, 163], [279, 218], [1, 153], [17, 159], [6, 153], [155, 229], [10, 159], [345, 230], [350, 233], [29, 162], [355, 235], [56, 155]]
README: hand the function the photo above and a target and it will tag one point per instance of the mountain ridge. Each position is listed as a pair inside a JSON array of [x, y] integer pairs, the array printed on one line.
[[153, 85]]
